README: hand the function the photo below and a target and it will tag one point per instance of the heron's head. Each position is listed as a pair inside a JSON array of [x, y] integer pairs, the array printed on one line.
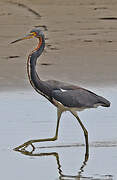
[[37, 33]]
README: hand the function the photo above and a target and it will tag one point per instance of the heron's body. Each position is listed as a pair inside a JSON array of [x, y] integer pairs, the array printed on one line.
[[59, 93], [64, 96]]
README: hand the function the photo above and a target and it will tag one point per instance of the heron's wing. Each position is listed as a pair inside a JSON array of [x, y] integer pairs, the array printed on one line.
[[73, 96], [78, 98], [60, 85]]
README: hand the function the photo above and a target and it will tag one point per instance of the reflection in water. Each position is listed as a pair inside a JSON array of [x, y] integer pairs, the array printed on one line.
[[63, 176], [56, 155]]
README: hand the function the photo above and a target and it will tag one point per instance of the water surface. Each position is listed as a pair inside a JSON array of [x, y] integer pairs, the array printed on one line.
[[26, 115]]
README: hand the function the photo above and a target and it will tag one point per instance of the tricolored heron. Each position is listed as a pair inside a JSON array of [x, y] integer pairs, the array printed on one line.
[[64, 96]]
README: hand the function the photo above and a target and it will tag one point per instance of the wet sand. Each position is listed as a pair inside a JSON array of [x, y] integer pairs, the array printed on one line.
[[81, 45], [81, 48]]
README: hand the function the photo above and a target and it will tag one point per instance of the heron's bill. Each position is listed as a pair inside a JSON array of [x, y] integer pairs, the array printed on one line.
[[29, 36]]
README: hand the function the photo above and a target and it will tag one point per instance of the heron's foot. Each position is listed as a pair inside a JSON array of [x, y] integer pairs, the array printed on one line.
[[22, 147]]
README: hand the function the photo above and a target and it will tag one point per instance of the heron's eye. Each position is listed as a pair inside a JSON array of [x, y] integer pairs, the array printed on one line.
[[33, 33]]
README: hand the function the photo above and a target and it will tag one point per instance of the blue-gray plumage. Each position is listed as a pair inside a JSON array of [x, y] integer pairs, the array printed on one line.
[[64, 96], [79, 98]]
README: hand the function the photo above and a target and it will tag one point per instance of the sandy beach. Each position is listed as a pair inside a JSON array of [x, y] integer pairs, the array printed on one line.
[[81, 45]]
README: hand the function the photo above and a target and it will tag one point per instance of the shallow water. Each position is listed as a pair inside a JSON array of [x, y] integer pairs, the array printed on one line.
[[26, 115]]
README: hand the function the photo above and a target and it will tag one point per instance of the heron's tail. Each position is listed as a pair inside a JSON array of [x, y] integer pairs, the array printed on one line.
[[104, 102]]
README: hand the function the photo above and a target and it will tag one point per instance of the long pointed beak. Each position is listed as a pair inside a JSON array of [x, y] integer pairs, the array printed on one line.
[[28, 36]]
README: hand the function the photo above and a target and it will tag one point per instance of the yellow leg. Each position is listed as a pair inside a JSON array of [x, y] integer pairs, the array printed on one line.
[[30, 142], [85, 134]]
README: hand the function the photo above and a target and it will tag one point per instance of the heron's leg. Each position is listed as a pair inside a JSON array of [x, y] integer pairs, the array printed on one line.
[[85, 133], [30, 142]]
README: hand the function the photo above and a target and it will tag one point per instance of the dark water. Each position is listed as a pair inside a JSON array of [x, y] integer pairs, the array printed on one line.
[[26, 115]]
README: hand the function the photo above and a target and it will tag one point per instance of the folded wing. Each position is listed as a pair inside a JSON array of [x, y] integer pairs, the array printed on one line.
[[79, 98]]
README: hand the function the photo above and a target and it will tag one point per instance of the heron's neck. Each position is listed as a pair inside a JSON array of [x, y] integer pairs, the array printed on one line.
[[40, 86], [31, 64]]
